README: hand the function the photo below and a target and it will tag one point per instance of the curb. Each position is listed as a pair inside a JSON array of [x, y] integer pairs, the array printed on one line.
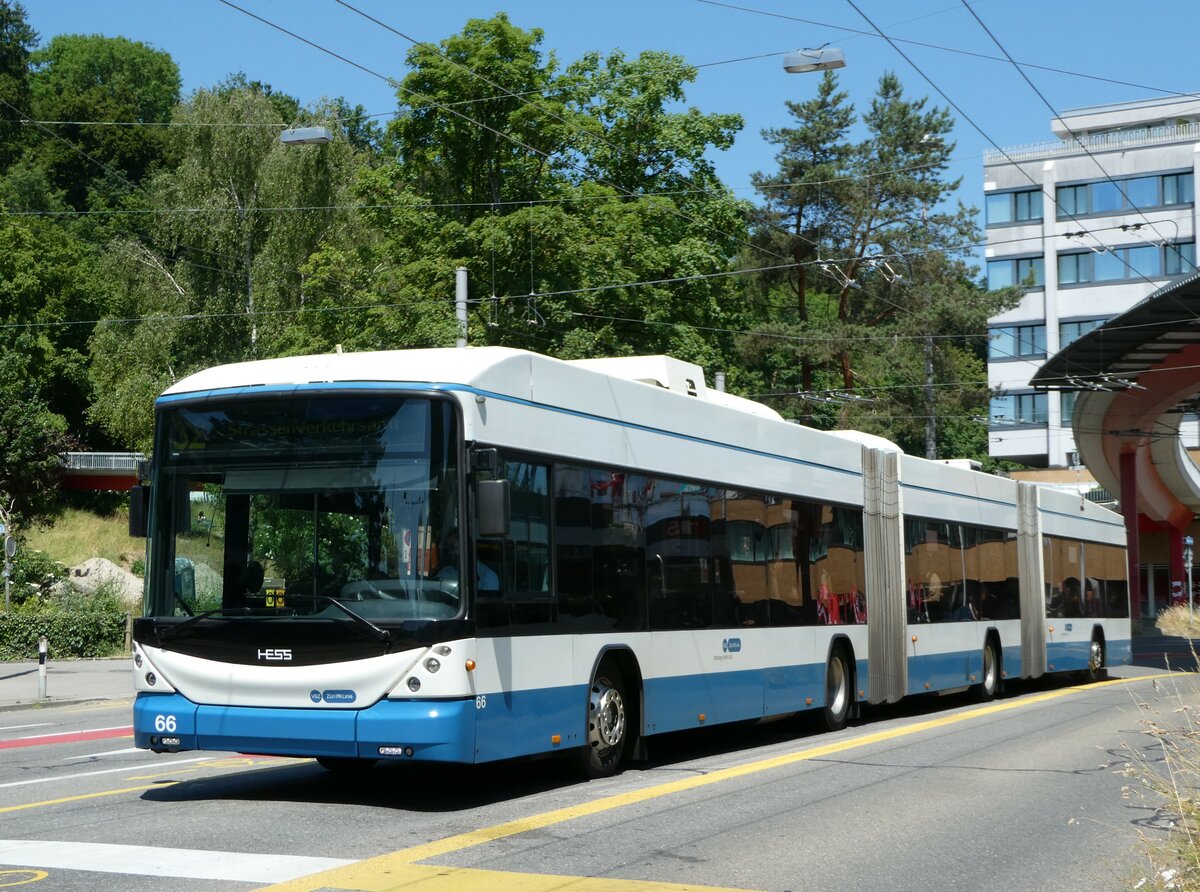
[[52, 702]]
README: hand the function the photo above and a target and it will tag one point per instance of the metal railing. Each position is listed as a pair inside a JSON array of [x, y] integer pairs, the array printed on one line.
[[103, 462], [1097, 143]]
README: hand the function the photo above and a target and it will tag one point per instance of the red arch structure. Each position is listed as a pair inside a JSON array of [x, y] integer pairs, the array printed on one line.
[[100, 470], [1137, 376]]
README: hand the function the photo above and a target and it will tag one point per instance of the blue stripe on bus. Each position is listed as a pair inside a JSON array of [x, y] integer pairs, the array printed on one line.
[[502, 725], [441, 731], [446, 388]]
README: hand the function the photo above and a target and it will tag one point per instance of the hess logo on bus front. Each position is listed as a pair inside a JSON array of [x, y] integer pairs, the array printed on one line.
[[275, 654]]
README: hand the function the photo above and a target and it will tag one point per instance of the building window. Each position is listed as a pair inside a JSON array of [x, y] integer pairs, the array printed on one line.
[[1017, 341], [1178, 188], [1069, 332], [1180, 259], [1072, 201], [1121, 264], [1028, 272], [1068, 406], [1074, 268], [1112, 196], [1014, 207], [1018, 408]]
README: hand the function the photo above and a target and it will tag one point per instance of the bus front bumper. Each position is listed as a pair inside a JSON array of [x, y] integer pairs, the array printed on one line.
[[421, 730]]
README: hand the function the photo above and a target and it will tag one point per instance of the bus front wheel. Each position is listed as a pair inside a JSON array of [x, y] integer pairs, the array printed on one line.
[[607, 724]]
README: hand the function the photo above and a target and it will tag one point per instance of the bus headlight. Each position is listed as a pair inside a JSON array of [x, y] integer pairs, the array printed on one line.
[[414, 684], [433, 664]]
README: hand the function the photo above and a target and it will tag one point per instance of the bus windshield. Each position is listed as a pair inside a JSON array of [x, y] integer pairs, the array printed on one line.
[[280, 506]]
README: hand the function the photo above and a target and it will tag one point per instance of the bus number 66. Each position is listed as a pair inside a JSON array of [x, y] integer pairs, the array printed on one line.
[[164, 723]]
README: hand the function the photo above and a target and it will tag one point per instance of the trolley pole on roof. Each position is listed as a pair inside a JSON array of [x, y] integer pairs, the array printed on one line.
[[460, 304]]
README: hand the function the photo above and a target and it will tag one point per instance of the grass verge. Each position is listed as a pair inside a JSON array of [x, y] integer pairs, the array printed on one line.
[[1180, 621], [1166, 776], [78, 535]]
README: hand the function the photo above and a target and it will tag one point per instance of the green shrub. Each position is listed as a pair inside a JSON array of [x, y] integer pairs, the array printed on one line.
[[34, 576], [92, 633]]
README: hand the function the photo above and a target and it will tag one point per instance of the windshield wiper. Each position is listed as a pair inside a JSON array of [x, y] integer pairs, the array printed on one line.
[[360, 621], [172, 631]]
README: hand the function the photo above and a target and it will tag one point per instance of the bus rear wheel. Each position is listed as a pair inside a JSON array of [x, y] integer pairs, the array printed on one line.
[[989, 683], [607, 724], [837, 690], [1096, 670]]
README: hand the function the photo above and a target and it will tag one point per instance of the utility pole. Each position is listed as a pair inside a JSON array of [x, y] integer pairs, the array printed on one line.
[[460, 304], [10, 548]]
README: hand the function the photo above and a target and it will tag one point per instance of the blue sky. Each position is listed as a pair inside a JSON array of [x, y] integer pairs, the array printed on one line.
[[1150, 46]]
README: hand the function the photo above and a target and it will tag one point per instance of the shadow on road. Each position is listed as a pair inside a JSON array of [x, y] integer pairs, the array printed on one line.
[[435, 788]]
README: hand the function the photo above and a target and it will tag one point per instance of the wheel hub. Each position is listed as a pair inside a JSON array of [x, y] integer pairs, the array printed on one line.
[[607, 726]]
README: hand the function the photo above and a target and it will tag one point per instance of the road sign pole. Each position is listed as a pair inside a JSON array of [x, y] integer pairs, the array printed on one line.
[[1187, 560], [43, 647]]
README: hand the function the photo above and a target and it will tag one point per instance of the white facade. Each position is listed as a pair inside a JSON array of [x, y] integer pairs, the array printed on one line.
[[1097, 232]]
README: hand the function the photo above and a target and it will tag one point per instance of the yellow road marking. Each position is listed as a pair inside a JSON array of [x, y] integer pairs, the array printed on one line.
[[426, 878], [384, 872], [8, 875], [84, 796]]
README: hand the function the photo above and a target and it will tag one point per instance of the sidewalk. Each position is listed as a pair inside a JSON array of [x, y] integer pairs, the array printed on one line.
[[67, 681]]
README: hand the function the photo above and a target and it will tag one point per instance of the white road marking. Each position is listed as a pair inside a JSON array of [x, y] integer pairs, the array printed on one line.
[[23, 727], [82, 731], [128, 749], [59, 777], [162, 862]]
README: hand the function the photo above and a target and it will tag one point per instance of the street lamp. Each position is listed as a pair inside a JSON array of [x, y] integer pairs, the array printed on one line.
[[306, 136], [819, 59]]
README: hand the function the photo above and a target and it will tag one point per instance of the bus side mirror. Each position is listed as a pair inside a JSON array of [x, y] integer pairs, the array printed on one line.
[[139, 507], [492, 507]]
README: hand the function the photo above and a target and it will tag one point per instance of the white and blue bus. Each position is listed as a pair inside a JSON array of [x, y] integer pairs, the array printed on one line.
[[471, 555]]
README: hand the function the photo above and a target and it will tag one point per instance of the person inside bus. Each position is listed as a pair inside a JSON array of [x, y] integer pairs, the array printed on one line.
[[1072, 603], [485, 576]]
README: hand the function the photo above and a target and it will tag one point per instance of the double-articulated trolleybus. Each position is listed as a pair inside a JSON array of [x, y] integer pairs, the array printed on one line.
[[471, 555]]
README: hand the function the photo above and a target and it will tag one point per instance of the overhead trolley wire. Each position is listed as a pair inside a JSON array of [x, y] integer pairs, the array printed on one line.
[[984, 134], [857, 32], [514, 140], [1060, 118]]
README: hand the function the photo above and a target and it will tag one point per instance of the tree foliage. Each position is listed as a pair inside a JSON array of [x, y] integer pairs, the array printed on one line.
[[581, 197], [77, 79], [900, 314]]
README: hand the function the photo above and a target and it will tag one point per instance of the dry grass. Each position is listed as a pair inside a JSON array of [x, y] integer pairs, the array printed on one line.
[[1180, 621], [79, 535], [1167, 778]]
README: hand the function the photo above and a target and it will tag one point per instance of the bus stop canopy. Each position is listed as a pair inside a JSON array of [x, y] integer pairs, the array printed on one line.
[[1137, 376]]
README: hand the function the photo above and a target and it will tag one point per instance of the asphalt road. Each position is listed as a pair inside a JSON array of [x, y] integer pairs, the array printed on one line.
[[1029, 792]]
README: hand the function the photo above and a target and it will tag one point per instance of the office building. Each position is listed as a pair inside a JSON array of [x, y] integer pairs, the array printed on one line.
[[1088, 225]]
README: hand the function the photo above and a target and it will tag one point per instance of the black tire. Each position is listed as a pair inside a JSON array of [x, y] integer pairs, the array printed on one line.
[[1097, 669], [838, 695], [345, 764], [989, 676], [607, 731]]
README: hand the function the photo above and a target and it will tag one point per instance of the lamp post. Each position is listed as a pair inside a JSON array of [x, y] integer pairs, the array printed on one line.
[[822, 58], [306, 136], [819, 59]]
